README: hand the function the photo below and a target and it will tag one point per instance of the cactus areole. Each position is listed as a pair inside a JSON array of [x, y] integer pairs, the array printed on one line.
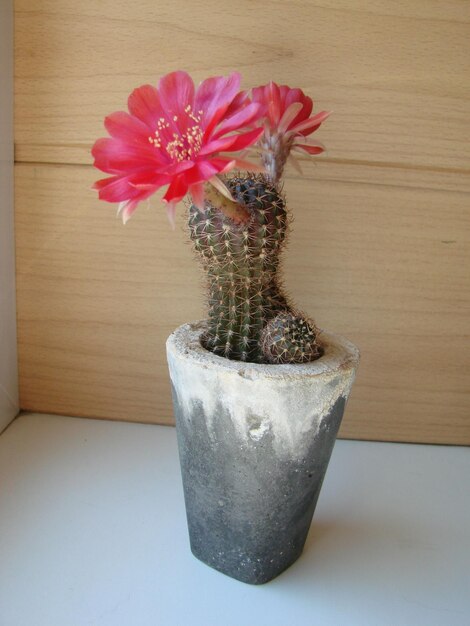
[[258, 391]]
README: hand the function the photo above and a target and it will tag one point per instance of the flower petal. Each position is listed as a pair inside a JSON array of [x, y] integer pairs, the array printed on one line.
[[174, 194], [297, 95], [115, 156], [170, 212], [274, 103], [242, 117], [175, 168], [258, 95], [214, 96], [123, 188], [144, 103], [176, 190], [307, 148], [222, 165], [176, 91], [202, 171], [126, 209], [234, 143], [309, 126], [197, 194], [239, 102], [289, 115], [300, 140], [127, 127], [113, 189]]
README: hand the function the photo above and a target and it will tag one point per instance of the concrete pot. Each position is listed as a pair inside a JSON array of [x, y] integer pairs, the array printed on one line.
[[254, 444]]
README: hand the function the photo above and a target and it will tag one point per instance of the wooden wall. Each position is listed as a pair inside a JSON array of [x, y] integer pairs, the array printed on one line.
[[379, 250]]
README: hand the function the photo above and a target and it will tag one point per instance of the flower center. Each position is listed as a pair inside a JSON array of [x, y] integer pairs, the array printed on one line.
[[182, 145]]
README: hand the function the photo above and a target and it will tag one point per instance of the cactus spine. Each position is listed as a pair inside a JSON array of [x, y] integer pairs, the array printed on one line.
[[242, 258]]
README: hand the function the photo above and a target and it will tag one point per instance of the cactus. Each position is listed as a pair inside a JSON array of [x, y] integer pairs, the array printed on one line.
[[246, 304], [189, 139]]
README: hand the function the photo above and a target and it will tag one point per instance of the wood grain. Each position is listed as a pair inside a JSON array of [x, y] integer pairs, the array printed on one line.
[[379, 250], [395, 74], [385, 265]]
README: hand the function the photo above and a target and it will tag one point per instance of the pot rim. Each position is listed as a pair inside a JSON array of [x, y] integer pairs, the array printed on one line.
[[339, 355]]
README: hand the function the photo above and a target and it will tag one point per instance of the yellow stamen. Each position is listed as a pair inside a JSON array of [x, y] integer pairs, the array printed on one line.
[[186, 145]]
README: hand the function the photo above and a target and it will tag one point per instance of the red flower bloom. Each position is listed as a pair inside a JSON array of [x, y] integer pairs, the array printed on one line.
[[287, 124], [173, 135]]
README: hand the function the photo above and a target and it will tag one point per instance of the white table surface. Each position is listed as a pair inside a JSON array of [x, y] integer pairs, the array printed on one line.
[[93, 532]]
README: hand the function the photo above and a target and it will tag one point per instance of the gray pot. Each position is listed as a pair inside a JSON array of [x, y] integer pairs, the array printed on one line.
[[254, 443]]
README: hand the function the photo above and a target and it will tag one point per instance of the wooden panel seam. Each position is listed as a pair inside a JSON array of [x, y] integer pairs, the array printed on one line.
[[96, 300]]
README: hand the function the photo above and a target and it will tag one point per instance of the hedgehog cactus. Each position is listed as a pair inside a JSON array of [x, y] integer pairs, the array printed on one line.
[[175, 135], [242, 261]]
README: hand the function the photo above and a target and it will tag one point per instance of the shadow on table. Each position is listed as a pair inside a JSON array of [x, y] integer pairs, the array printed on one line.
[[339, 550]]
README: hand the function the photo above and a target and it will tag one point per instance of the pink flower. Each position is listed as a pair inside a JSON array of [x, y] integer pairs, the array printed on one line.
[[174, 135], [287, 125]]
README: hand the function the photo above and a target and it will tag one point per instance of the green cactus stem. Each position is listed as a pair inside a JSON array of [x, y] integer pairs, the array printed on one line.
[[239, 244]]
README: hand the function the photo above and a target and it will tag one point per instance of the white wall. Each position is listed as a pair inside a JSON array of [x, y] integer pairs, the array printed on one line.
[[8, 358]]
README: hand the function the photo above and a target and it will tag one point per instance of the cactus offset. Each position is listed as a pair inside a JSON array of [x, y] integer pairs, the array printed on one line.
[[242, 261], [290, 338]]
